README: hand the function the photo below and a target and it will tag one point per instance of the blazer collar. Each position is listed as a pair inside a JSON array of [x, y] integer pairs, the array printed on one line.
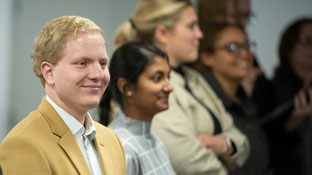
[[67, 140]]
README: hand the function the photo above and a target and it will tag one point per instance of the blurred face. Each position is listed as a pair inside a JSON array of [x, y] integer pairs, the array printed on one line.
[[301, 56], [150, 94], [231, 58], [81, 75], [183, 40]]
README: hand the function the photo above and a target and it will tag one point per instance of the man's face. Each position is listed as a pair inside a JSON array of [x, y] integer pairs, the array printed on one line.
[[81, 75]]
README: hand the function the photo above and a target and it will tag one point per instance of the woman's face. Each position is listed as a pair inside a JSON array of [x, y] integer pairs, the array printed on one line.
[[183, 39], [301, 55], [231, 58], [151, 92]]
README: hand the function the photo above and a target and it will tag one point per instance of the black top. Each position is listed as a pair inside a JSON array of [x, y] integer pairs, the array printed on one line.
[[291, 151], [244, 116]]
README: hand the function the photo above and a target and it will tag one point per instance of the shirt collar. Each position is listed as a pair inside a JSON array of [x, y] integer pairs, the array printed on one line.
[[76, 127], [138, 127]]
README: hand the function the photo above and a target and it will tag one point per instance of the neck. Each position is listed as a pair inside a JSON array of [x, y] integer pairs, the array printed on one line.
[[305, 74], [137, 113], [77, 114], [229, 86], [173, 61]]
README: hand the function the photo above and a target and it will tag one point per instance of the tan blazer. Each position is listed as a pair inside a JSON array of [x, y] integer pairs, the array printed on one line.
[[43, 144]]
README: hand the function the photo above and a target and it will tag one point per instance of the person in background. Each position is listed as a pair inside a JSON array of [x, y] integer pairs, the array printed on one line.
[[225, 60], [198, 140], [256, 84], [60, 137], [141, 94], [290, 132]]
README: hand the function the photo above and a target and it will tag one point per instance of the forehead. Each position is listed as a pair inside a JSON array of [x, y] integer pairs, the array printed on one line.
[[85, 45], [188, 15], [158, 64], [229, 34]]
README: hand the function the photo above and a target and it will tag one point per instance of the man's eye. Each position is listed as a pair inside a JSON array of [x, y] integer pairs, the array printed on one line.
[[82, 63], [103, 63]]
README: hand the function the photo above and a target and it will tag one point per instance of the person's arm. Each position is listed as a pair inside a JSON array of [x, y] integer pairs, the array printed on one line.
[[176, 129], [240, 142], [231, 146], [19, 156], [133, 167]]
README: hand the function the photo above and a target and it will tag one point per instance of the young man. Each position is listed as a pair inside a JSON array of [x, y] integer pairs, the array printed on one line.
[[60, 137]]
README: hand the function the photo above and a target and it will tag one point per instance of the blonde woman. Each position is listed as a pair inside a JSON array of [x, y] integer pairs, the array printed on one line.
[[172, 25]]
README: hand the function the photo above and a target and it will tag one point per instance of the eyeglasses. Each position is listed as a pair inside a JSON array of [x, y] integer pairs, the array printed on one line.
[[235, 47], [306, 41]]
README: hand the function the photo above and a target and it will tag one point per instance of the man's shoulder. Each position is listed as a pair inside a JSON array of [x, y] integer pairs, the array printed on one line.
[[34, 123], [103, 131]]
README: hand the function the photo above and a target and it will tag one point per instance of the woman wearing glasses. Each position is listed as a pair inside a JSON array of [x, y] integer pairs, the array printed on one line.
[[172, 26], [225, 60]]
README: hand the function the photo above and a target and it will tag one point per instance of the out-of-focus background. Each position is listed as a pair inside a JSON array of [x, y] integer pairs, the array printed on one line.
[[21, 20]]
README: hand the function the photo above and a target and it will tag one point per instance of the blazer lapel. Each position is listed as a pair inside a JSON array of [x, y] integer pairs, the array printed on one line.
[[104, 155], [67, 140], [69, 145]]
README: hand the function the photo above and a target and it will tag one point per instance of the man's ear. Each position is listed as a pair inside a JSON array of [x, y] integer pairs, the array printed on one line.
[[206, 59], [161, 34], [47, 72]]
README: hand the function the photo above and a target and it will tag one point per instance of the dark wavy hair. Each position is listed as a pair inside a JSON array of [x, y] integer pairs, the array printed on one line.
[[288, 41], [128, 61], [211, 32]]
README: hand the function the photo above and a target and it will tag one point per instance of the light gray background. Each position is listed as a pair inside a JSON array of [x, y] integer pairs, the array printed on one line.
[[21, 20]]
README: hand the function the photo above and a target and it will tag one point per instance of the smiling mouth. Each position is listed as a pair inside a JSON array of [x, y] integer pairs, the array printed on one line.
[[92, 87], [164, 99]]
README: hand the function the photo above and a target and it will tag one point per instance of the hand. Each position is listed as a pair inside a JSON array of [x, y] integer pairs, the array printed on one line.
[[302, 109], [215, 142]]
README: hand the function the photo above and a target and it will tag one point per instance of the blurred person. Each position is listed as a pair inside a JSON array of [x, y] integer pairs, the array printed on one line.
[[290, 131], [141, 94], [60, 137], [225, 60], [225, 11], [199, 139], [255, 84]]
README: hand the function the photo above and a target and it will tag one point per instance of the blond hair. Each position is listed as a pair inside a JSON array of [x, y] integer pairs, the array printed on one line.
[[149, 14], [49, 43]]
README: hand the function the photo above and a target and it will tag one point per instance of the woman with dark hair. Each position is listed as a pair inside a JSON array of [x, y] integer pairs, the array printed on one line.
[[172, 26], [225, 60], [290, 132], [140, 85]]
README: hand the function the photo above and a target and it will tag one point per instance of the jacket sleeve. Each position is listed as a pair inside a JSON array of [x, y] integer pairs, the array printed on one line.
[[19, 156], [242, 148], [187, 155]]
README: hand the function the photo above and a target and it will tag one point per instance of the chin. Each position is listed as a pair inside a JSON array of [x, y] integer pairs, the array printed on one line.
[[91, 104]]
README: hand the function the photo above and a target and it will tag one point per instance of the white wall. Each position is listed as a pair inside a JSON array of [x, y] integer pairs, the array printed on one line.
[[272, 18], [5, 59]]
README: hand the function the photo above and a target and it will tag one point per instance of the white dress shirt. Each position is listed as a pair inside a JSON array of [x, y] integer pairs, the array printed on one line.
[[83, 135]]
